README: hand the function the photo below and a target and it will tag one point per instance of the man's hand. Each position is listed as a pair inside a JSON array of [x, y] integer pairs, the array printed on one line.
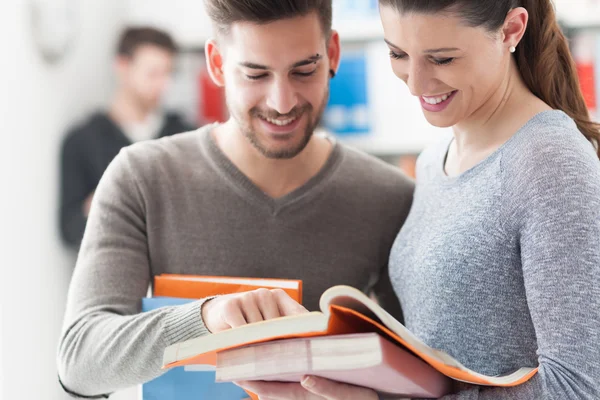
[[311, 388], [231, 311]]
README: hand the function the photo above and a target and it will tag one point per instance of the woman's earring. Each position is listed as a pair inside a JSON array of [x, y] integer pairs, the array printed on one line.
[[332, 73], [512, 49]]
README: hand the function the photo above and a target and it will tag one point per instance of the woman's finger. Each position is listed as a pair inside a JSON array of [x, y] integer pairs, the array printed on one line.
[[331, 390], [278, 390]]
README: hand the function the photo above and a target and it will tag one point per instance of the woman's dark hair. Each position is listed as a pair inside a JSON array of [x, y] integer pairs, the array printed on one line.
[[543, 55]]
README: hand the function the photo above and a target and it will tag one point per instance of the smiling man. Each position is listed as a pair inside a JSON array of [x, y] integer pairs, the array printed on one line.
[[258, 196]]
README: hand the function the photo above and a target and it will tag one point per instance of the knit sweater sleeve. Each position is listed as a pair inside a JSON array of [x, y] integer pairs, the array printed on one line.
[[551, 203], [107, 344]]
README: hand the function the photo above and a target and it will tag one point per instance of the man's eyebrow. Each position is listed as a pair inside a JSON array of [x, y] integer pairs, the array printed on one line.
[[310, 60], [253, 65]]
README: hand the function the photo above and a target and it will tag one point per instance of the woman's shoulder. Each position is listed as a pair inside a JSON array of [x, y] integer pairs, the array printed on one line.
[[549, 165], [549, 143]]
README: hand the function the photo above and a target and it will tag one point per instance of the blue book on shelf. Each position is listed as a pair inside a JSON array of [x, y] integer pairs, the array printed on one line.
[[357, 7], [186, 383], [347, 111]]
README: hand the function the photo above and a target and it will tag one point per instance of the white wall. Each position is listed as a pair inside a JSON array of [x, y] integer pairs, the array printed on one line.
[[37, 103]]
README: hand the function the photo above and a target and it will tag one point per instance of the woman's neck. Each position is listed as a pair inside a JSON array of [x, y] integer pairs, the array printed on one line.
[[496, 121]]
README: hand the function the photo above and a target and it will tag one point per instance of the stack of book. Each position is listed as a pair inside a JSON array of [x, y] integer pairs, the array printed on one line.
[[196, 381]]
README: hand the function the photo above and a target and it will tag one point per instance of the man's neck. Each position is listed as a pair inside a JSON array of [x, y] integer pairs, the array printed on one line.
[[125, 110], [275, 177]]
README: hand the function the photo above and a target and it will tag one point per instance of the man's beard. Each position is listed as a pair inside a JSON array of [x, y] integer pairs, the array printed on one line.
[[299, 112]]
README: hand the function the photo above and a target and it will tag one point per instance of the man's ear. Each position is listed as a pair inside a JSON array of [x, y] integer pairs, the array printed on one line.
[[214, 62], [121, 65], [334, 52]]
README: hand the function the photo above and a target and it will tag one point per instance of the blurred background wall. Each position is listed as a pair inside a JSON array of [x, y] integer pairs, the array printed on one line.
[[38, 102]]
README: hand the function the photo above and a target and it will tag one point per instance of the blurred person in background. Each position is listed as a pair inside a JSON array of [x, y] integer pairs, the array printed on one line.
[[143, 67], [260, 195]]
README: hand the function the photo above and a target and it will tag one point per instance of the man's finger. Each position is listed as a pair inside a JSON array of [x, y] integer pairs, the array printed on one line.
[[267, 304], [232, 315], [250, 309], [287, 305]]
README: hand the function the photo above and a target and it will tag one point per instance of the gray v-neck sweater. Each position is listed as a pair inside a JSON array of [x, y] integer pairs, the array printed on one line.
[[179, 205], [500, 266]]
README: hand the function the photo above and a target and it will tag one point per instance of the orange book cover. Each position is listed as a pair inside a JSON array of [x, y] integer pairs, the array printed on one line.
[[197, 287]]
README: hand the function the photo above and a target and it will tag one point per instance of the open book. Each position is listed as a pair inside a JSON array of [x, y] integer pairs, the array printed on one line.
[[345, 310]]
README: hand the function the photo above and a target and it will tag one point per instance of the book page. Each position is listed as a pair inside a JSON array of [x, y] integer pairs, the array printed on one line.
[[348, 300]]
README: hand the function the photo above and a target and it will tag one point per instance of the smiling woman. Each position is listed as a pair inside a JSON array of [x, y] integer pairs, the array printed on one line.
[[504, 225], [474, 49]]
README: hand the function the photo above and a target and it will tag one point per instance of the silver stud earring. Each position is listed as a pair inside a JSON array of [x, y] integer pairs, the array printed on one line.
[[512, 49]]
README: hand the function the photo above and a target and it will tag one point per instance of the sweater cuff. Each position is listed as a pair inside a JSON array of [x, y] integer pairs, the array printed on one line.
[[185, 322]]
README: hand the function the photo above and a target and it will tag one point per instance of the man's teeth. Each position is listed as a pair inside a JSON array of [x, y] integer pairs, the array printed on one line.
[[436, 100], [281, 122]]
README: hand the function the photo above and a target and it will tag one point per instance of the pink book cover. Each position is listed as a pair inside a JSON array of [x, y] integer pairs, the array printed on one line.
[[366, 360]]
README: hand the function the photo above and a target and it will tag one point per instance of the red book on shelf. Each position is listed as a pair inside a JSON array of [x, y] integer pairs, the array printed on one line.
[[586, 73], [583, 54], [212, 105]]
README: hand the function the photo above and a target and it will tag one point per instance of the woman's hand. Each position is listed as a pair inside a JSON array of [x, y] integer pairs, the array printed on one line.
[[233, 310], [311, 388]]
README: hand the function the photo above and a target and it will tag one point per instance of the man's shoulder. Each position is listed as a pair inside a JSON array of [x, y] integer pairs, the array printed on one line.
[[87, 129], [367, 169], [169, 151], [176, 123]]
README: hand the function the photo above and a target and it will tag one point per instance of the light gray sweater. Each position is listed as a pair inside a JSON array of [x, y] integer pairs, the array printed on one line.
[[179, 205], [500, 266]]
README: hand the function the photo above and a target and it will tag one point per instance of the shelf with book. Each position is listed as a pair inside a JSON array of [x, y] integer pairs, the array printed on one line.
[[359, 29], [578, 14]]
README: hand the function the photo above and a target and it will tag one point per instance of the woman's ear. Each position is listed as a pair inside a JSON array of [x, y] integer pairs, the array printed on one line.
[[514, 27], [214, 62]]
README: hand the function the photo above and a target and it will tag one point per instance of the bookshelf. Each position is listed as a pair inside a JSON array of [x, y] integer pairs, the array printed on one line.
[[397, 125]]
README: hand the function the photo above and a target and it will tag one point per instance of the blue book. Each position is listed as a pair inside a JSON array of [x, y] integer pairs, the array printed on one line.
[[186, 383], [347, 111]]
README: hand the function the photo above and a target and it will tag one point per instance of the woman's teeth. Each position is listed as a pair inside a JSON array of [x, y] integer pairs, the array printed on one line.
[[436, 100], [281, 122]]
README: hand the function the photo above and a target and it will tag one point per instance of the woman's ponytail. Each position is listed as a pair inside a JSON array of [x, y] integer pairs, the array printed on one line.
[[546, 64]]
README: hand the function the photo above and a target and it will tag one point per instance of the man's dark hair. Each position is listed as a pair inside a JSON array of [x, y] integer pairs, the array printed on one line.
[[224, 13], [133, 38]]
